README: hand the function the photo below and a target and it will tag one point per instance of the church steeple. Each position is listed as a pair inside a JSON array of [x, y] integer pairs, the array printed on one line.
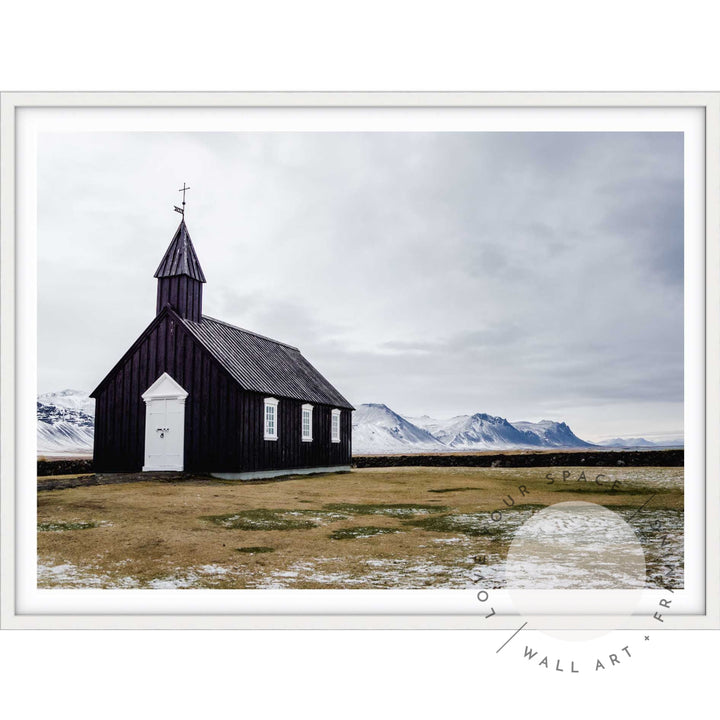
[[180, 277]]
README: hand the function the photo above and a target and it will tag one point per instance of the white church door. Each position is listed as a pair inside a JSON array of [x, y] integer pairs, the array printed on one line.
[[164, 425]]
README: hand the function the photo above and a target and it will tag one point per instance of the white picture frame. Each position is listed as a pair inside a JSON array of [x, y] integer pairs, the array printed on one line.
[[24, 114]]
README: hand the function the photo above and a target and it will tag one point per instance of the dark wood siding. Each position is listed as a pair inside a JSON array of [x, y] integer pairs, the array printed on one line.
[[183, 293], [224, 425], [248, 450]]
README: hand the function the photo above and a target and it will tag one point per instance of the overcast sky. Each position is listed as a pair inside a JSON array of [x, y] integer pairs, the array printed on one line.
[[527, 275]]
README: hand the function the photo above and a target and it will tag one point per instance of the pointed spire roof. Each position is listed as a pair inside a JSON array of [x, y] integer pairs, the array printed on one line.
[[180, 257]]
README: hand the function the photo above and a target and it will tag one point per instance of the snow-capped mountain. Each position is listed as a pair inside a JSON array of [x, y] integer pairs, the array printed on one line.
[[70, 400], [480, 432], [377, 429], [638, 442], [65, 423], [466, 432], [626, 442], [552, 434]]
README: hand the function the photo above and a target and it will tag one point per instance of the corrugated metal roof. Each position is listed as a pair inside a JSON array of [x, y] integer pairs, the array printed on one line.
[[180, 257], [264, 365]]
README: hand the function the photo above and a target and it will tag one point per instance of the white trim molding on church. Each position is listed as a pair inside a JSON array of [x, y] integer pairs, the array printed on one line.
[[335, 426], [164, 425], [306, 422], [272, 416]]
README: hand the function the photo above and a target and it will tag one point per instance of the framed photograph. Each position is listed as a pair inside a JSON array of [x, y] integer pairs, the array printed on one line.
[[360, 360]]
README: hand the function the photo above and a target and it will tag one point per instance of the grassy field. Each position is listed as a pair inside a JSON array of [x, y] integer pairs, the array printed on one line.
[[374, 528]]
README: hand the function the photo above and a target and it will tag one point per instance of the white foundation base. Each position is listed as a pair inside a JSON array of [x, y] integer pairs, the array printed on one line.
[[263, 474]]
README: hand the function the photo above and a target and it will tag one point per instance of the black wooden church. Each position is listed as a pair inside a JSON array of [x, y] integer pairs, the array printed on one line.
[[198, 394]]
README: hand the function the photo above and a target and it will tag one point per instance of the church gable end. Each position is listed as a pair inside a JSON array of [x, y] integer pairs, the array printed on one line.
[[164, 347]]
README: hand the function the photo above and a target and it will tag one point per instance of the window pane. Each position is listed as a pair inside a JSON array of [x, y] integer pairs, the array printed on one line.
[[270, 420]]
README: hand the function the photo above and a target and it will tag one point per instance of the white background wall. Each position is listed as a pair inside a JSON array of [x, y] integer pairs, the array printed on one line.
[[367, 45]]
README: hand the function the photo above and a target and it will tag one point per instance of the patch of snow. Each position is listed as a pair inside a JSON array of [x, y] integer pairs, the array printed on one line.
[[68, 575]]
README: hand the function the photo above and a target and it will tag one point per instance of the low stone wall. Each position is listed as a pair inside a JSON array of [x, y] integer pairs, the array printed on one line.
[[71, 466], [631, 458]]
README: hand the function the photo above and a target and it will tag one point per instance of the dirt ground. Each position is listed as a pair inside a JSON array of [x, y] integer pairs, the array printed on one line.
[[407, 527]]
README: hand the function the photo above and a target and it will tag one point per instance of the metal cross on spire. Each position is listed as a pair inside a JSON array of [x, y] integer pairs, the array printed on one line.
[[183, 190]]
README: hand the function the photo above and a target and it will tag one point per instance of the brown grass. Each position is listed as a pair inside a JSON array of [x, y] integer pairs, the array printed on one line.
[[149, 533], [48, 478]]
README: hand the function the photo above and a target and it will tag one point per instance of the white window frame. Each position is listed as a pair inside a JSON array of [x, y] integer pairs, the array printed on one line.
[[306, 409], [334, 437], [273, 403]]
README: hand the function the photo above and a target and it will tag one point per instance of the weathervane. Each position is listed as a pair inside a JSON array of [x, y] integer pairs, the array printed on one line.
[[181, 210]]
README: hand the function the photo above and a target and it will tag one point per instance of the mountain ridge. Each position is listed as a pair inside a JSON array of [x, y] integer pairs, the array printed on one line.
[[376, 428], [479, 431], [640, 442], [65, 424]]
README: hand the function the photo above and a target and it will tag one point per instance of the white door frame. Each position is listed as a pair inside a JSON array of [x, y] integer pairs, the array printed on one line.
[[165, 390]]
